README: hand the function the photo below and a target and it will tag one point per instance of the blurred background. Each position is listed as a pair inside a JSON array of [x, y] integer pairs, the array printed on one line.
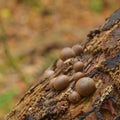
[[32, 33]]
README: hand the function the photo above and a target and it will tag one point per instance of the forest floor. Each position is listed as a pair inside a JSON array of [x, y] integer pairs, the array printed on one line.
[[35, 32]]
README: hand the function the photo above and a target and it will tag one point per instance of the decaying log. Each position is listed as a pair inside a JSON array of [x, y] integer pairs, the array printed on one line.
[[101, 56]]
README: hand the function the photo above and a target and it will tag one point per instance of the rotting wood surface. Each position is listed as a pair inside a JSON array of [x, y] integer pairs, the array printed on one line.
[[101, 57]]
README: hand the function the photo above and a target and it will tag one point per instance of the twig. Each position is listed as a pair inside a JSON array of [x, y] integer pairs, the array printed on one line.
[[10, 59]]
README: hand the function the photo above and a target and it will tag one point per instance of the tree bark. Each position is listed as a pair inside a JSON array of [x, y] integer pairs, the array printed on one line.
[[101, 56]]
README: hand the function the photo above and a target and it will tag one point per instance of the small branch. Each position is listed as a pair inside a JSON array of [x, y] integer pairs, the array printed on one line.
[[9, 57]]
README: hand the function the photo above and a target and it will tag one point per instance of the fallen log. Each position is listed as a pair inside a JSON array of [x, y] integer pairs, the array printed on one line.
[[51, 99]]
